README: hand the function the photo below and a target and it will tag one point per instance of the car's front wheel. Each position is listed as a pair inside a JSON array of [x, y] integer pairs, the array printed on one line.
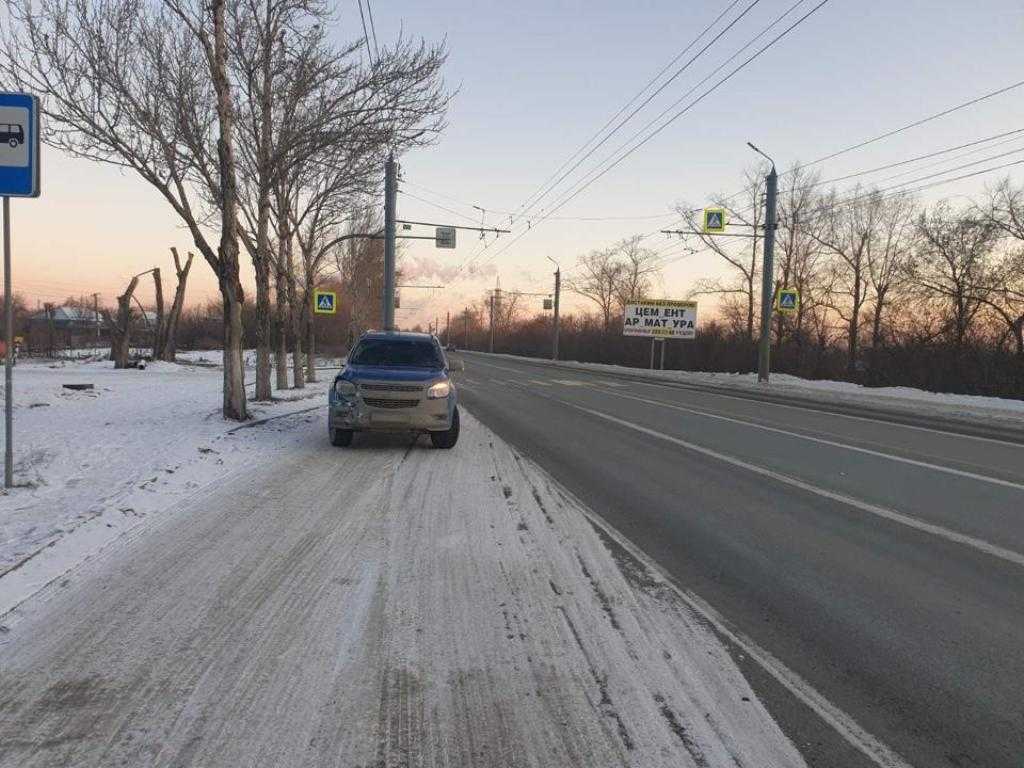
[[341, 437], [449, 438]]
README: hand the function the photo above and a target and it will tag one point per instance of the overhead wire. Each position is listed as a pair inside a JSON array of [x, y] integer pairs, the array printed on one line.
[[373, 29], [640, 106], [629, 103], [746, 62]]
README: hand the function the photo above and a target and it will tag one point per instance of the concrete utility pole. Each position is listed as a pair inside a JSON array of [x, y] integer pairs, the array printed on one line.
[[390, 198], [490, 347], [96, 316], [447, 328], [767, 274], [465, 328], [558, 290]]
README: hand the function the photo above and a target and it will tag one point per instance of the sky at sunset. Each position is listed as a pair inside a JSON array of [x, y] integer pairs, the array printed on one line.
[[537, 78]]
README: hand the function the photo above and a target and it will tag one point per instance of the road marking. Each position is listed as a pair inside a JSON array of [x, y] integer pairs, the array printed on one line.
[[833, 443], [570, 382], [539, 382], [847, 728], [716, 391], [888, 514]]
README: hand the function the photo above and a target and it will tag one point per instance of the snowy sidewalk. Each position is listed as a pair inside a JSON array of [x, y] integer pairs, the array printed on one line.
[[387, 605], [91, 464]]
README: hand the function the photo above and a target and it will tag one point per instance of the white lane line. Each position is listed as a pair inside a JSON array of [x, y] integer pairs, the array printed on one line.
[[847, 728], [570, 382], [832, 443], [888, 514], [539, 382], [716, 391]]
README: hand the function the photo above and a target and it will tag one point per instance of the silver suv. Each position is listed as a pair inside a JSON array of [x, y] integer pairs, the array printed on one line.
[[394, 381]]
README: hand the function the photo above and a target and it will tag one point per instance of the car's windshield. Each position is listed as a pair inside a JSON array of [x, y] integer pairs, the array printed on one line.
[[412, 353]]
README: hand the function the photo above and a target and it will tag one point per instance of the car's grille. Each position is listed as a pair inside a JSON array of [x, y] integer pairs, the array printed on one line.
[[378, 402], [391, 387]]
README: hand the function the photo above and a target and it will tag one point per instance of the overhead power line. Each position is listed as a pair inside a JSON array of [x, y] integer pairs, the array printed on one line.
[[366, 35], [746, 62], [373, 29], [916, 123], [629, 103], [640, 106]]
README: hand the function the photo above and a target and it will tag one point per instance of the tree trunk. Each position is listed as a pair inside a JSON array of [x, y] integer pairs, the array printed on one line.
[[264, 329], [234, 364], [160, 329], [171, 334], [310, 349], [230, 286], [281, 339], [121, 342]]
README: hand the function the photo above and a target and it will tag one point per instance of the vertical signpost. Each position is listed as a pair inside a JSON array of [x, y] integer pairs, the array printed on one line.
[[19, 177]]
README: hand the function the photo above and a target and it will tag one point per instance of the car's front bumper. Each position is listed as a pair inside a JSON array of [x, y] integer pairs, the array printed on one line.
[[426, 415]]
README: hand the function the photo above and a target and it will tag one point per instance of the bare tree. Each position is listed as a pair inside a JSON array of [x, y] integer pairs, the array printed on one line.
[[144, 86], [169, 345], [953, 264], [849, 227], [889, 257], [598, 278], [638, 265], [798, 253], [742, 259]]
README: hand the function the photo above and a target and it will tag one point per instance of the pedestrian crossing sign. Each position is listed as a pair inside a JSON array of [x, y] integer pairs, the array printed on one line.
[[714, 220], [788, 301], [325, 302]]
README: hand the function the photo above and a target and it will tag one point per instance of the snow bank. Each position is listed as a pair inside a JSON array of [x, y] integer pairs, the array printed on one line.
[[92, 463]]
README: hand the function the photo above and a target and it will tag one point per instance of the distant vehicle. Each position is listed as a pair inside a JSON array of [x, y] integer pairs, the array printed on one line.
[[12, 134], [394, 381]]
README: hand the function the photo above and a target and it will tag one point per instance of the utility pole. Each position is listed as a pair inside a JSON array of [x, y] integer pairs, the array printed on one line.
[[558, 291], [490, 348], [465, 328], [96, 316], [767, 274], [447, 328], [662, 353], [390, 195]]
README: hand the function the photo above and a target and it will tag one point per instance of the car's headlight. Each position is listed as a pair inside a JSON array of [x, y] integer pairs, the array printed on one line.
[[344, 388], [439, 390]]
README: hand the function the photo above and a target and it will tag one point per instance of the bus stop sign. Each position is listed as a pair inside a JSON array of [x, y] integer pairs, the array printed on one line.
[[19, 145]]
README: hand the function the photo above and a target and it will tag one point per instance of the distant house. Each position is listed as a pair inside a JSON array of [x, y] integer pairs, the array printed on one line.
[[64, 328]]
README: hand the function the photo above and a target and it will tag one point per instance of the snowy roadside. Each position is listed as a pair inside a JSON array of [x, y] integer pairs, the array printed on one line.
[[387, 604], [91, 464], [1004, 411]]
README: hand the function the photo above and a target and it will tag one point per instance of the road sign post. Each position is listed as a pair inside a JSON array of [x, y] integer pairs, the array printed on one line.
[[19, 177]]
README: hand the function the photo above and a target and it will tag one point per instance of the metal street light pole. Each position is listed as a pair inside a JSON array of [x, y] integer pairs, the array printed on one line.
[[768, 272]]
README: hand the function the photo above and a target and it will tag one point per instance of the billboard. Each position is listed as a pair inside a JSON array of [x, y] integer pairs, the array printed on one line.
[[661, 318]]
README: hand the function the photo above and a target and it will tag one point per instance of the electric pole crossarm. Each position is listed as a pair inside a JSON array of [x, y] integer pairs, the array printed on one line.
[[493, 230], [705, 234]]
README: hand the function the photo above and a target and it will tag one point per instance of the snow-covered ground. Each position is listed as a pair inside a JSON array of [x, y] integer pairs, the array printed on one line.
[[387, 604], [91, 464], [986, 409]]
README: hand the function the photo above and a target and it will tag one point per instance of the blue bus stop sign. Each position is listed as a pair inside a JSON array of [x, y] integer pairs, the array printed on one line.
[[19, 145]]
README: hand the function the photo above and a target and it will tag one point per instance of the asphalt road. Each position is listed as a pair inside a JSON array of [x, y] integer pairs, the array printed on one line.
[[882, 563]]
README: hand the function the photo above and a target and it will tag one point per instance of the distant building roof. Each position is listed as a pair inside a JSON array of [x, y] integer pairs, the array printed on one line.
[[68, 315]]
